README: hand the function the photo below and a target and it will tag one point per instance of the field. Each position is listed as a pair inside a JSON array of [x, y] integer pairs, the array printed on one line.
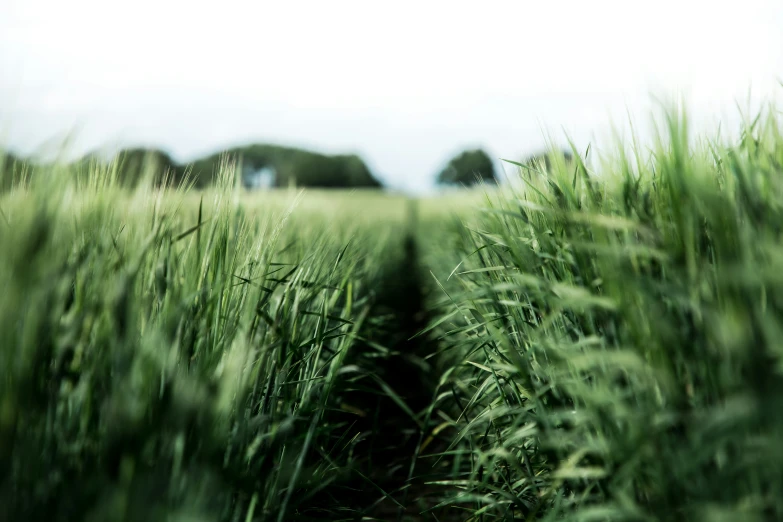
[[593, 343]]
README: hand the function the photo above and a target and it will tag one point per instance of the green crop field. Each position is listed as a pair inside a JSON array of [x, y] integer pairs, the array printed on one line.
[[599, 341]]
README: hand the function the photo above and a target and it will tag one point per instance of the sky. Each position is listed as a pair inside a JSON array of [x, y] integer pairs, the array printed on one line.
[[404, 84]]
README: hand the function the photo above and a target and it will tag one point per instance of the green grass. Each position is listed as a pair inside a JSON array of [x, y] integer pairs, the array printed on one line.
[[615, 342], [595, 343]]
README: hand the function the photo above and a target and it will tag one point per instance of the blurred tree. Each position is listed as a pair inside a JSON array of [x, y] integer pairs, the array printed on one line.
[[286, 165], [135, 164], [316, 170], [357, 172], [467, 168], [291, 166]]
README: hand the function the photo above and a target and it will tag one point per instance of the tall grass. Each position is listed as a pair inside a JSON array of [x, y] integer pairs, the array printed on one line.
[[614, 338], [598, 343], [170, 358]]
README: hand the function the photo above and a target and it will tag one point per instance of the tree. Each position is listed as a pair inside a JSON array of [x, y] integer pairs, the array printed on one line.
[[291, 165], [468, 168], [134, 164], [317, 170], [287, 164], [357, 173]]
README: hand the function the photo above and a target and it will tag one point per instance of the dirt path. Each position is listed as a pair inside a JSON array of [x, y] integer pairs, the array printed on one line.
[[397, 436], [390, 402]]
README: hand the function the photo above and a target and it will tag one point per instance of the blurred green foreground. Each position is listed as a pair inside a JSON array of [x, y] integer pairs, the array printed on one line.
[[597, 342]]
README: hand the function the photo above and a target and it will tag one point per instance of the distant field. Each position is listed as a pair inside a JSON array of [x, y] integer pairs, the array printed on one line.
[[587, 345]]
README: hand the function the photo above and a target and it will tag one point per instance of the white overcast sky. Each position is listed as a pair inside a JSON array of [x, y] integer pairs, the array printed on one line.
[[404, 84]]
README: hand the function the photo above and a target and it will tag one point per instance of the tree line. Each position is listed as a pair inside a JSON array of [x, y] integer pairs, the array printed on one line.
[[261, 164]]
